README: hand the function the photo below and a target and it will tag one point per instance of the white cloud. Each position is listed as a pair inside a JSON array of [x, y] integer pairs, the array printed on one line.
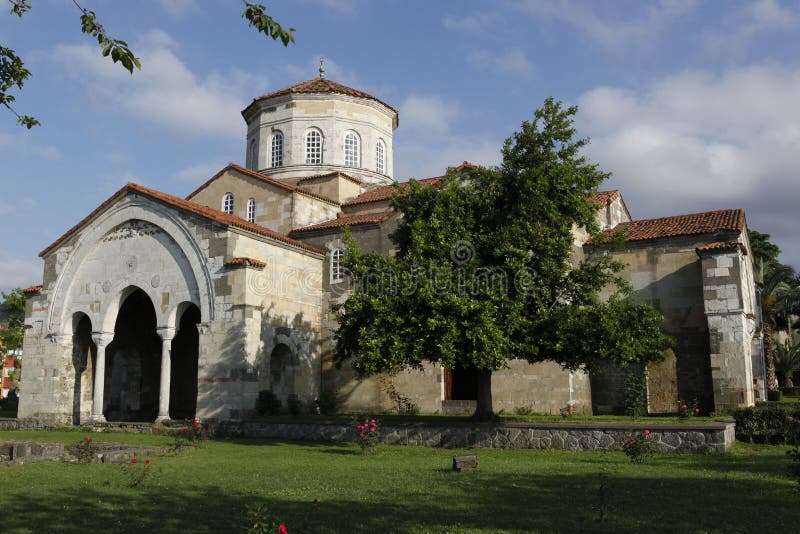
[[427, 115], [178, 8], [166, 91], [513, 63], [49, 152], [19, 272], [197, 174], [611, 30], [750, 20], [700, 141]]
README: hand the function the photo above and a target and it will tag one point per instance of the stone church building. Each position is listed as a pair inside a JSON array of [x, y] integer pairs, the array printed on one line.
[[156, 307]]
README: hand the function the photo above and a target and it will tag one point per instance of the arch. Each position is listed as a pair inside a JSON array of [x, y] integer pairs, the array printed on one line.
[[184, 363], [380, 157], [276, 149], [314, 142], [196, 271], [227, 203], [84, 353], [253, 155], [282, 365], [352, 150], [133, 360]]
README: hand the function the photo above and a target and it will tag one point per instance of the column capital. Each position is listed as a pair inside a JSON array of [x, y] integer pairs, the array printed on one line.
[[102, 339], [166, 333]]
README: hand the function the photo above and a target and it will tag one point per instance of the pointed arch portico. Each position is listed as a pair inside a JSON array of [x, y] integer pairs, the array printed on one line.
[[188, 255]]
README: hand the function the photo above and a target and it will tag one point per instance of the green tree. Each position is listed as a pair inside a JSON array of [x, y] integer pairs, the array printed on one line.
[[12, 311], [13, 73], [484, 271], [780, 296], [787, 358]]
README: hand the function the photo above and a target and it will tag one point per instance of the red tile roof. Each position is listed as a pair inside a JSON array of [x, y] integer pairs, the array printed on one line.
[[31, 290], [385, 192], [709, 222], [192, 207], [604, 198], [6, 382], [10, 362], [329, 175], [263, 178], [247, 262], [348, 220], [316, 86], [719, 246]]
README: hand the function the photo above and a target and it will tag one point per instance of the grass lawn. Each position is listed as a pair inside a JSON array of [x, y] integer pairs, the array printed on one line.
[[401, 489]]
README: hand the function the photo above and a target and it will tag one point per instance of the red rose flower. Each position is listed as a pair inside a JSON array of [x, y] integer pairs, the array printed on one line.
[[646, 432], [88, 438], [196, 424], [282, 529], [147, 461], [134, 461]]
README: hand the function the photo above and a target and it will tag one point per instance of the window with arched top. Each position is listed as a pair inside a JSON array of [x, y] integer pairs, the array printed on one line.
[[351, 150], [313, 147], [277, 150], [253, 155], [380, 157], [337, 269], [251, 210], [227, 203]]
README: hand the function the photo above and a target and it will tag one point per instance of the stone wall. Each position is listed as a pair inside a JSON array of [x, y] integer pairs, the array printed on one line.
[[713, 437]]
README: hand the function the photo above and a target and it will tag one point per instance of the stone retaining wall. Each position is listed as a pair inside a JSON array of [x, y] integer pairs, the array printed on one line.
[[714, 437]]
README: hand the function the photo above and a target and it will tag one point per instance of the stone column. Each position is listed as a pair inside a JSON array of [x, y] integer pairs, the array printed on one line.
[[101, 339], [166, 333]]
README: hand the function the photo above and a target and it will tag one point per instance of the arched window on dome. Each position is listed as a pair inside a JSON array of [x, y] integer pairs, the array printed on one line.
[[227, 203], [337, 269], [380, 157], [251, 210], [313, 147], [277, 150], [253, 155], [351, 150]]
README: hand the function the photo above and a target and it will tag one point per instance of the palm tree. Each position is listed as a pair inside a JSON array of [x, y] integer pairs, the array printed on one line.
[[787, 358], [778, 301]]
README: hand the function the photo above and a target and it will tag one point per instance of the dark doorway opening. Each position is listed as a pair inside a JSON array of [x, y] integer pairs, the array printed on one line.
[[133, 362], [84, 352], [461, 383], [183, 375]]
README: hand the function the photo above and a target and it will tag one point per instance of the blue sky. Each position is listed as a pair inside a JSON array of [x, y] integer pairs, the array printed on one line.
[[692, 105]]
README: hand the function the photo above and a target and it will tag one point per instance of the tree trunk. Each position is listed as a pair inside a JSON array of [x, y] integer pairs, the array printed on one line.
[[483, 408], [789, 383], [769, 357]]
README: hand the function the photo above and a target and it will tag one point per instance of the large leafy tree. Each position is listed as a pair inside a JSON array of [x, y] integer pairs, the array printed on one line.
[[13, 72], [12, 312], [484, 272]]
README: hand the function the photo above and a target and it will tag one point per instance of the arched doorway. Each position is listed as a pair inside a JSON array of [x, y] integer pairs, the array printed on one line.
[[183, 373], [133, 362], [84, 352], [281, 372]]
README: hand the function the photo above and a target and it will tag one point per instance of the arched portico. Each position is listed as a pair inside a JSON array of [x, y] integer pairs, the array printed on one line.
[[84, 351]]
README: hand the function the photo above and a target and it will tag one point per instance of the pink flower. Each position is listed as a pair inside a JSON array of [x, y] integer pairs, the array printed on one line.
[[574, 407], [697, 410], [646, 432], [684, 406], [147, 461], [88, 438], [362, 436], [630, 440], [373, 421], [134, 461], [282, 529]]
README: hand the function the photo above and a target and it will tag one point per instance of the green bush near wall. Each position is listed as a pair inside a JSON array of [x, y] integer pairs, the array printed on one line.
[[765, 422]]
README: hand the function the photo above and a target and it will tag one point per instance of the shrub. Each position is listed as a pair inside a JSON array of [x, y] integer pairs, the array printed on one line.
[[687, 409], [85, 451], [639, 447], [328, 402], [367, 435], [765, 422], [191, 434], [524, 410], [136, 473], [793, 438], [568, 410], [267, 403], [635, 393]]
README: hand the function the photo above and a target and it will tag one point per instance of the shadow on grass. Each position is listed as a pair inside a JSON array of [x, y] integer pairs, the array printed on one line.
[[641, 500]]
